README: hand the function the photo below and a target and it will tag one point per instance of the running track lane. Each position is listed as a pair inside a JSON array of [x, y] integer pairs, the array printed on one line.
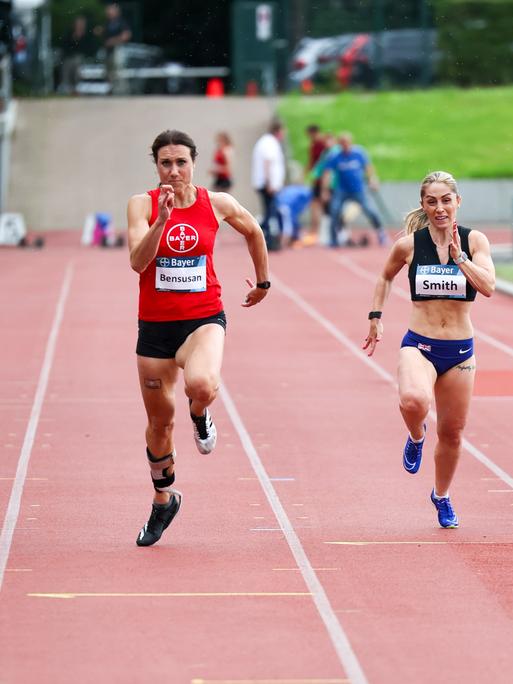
[[327, 432]]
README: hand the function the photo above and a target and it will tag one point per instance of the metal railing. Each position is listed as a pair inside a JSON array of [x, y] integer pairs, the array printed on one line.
[[128, 79], [7, 119]]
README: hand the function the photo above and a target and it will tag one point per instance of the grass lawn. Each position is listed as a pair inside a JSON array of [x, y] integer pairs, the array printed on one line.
[[504, 271], [409, 133]]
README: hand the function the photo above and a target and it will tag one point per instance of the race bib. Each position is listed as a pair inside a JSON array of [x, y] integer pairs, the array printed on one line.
[[181, 274], [438, 280]]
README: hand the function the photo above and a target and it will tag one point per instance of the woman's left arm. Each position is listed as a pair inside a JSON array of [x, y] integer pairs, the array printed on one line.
[[228, 209], [480, 272]]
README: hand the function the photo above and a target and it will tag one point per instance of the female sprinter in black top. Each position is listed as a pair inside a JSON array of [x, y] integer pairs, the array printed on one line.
[[447, 265]]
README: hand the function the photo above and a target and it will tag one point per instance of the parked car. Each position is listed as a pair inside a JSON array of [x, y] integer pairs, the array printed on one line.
[[396, 56], [329, 56], [355, 63], [406, 53], [304, 63]]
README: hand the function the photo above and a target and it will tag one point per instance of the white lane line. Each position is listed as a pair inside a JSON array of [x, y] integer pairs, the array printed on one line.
[[265, 529], [349, 344], [335, 631], [13, 507], [487, 462], [404, 294]]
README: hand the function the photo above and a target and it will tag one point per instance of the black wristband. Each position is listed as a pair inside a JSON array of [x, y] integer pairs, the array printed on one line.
[[374, 314], [264, 285]]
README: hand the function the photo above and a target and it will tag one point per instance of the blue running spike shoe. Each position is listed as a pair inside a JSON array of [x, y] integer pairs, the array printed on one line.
[[446, 515], [412, 454]]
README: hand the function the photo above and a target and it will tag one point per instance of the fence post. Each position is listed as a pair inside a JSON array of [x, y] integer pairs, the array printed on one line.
[[6, 125]]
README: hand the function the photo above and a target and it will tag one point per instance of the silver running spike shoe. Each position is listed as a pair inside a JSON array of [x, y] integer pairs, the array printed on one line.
[[205, 433]]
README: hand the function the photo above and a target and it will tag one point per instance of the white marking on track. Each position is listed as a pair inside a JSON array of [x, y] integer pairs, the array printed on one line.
[[333, 626], [13, 507]]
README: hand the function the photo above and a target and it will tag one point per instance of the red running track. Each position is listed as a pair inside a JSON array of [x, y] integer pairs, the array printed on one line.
[[303, 553]]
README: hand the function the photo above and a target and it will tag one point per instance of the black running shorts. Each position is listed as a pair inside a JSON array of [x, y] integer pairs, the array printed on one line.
[[162, 339]]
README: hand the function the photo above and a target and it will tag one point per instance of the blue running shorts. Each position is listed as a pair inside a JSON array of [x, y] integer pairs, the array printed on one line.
[[443, 354]]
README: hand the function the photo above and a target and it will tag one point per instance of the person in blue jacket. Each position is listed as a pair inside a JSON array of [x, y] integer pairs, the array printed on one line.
[[291, 202], [353, 173]]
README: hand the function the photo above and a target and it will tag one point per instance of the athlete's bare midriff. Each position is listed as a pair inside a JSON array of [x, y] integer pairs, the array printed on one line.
[[442, 319]]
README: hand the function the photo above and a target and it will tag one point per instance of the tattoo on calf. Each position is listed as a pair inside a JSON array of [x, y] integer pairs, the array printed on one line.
[[470, 367], [152, 384]]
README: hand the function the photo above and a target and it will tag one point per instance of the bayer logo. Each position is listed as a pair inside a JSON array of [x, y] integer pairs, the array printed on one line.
[[164, 261], [182, 238]]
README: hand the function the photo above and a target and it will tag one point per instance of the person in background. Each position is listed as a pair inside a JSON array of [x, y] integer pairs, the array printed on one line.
[[353, 172], [78, 45], [115, 32], [326, 184], [291, 201], [268, 178], [315, 151], [222, 169], [447, 266]]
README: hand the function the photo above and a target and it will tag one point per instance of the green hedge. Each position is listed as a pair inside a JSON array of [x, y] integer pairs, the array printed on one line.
[[63, 14]]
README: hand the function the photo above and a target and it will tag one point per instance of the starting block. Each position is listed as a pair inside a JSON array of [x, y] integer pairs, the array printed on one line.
[[13, 232], [12, 229], [98, 230]]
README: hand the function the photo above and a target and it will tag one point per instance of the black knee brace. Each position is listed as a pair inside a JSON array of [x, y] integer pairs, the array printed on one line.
[[159, 467]]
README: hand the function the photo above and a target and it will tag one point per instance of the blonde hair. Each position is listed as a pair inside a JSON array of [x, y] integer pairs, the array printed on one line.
[[417, 218]]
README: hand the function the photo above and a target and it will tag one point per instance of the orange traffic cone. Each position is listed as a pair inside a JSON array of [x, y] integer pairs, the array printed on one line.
[[215, 88]]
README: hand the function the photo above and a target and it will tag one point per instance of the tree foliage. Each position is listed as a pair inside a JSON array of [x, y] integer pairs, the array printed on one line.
[[63, 13], [190, 31], [194, 32], [475, 40], [333, 17]]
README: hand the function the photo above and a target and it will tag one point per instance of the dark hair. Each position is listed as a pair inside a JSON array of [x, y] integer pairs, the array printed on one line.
[[313, 128], [173, 138], [275, 126]]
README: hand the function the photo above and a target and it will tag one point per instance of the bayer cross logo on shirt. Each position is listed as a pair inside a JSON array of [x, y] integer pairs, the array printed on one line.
[[181, 238]]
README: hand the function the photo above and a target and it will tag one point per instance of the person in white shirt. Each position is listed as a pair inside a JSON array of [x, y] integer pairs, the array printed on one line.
[[268, 178]]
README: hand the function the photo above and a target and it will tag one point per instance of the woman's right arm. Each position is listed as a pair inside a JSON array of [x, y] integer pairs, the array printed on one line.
[[143, 240], [397, 258]]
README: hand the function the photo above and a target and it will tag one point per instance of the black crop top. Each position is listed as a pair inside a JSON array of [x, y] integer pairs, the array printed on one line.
[[429, 279]]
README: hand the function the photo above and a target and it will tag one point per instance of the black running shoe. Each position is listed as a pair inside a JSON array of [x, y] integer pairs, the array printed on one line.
[[160, 519]]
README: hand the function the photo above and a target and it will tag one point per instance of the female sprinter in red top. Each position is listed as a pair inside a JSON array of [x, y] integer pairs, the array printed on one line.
[[222, 163], [171, 234]]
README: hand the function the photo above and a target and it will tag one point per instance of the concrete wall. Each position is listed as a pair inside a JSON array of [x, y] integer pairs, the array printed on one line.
[[71, 157]]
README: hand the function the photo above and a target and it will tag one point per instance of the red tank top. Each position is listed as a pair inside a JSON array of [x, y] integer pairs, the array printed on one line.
[[220, 159], [180, 283]]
